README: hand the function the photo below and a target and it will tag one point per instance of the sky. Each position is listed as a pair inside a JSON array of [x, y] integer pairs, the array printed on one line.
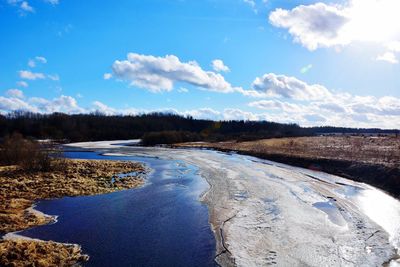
[[313, 63]]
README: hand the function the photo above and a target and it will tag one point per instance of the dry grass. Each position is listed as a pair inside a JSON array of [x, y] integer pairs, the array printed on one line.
[[20, 188], [375, 150], [39, 253]]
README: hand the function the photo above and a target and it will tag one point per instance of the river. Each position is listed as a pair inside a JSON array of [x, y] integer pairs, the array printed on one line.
[[198, 205]]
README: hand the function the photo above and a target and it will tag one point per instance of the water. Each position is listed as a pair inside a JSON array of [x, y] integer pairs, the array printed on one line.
[[160, 224], [332, 212]]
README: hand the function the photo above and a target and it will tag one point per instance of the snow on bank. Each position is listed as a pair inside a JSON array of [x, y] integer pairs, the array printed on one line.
[[104, 144], [264, 213]]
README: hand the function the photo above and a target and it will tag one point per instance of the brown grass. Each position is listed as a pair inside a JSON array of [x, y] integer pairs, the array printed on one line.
[[374, 150], [39, 253], [20, 188]]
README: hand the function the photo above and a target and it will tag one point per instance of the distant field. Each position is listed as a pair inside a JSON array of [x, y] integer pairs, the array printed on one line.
[[383, 150]]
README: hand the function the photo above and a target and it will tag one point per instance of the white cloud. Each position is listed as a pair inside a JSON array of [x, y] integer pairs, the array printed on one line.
[[107, 76], [66, 104], [160, 73], [327, 108], [26, 7], [290, 87], [393, 46], [306, 69], [14, 104], [329, 25], [41, 59], [278, 105], [219, 66], [103, 108], [28, 75], [15, 93], [37, 59], [22, 84], [313, 26], [389, 57]]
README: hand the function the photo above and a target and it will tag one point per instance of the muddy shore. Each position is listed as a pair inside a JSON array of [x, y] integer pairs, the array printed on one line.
[[19, 190]]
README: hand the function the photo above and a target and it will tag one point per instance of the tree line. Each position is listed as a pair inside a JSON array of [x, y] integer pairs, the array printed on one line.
[[152, 127]]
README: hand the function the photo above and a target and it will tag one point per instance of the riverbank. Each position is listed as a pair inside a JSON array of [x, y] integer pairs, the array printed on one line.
[[266, 213], [372, 160], [19, 189]]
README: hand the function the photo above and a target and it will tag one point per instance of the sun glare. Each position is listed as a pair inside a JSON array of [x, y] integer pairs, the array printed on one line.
[[373, 20]]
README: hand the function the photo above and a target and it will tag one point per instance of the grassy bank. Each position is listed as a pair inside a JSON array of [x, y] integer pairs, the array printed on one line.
[[373, 160], [20, 188]]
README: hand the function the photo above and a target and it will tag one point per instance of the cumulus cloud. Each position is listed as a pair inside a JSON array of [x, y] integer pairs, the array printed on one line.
[[160, 73], [278, 105], [326, 108], [219, 66], [389, 57], [15, 93], [66, 104], [329, 25], [28, 75], [103, 108], [274, 85], [8, 104], [313, 26]]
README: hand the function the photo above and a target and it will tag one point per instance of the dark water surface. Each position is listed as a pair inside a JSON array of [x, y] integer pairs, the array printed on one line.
[[160, 224]]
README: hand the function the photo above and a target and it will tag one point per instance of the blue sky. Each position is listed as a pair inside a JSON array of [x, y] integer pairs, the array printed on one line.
[[307, 62]]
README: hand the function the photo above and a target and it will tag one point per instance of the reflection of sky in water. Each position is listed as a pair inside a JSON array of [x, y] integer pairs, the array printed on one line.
[[384, 210], [332, 211], [160, 224], [349, 190]]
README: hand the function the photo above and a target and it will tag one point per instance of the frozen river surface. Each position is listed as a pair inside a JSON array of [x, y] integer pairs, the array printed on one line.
[[264, 213]]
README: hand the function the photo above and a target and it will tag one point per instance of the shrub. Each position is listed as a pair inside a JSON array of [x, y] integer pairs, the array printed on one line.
[[29, 154]]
